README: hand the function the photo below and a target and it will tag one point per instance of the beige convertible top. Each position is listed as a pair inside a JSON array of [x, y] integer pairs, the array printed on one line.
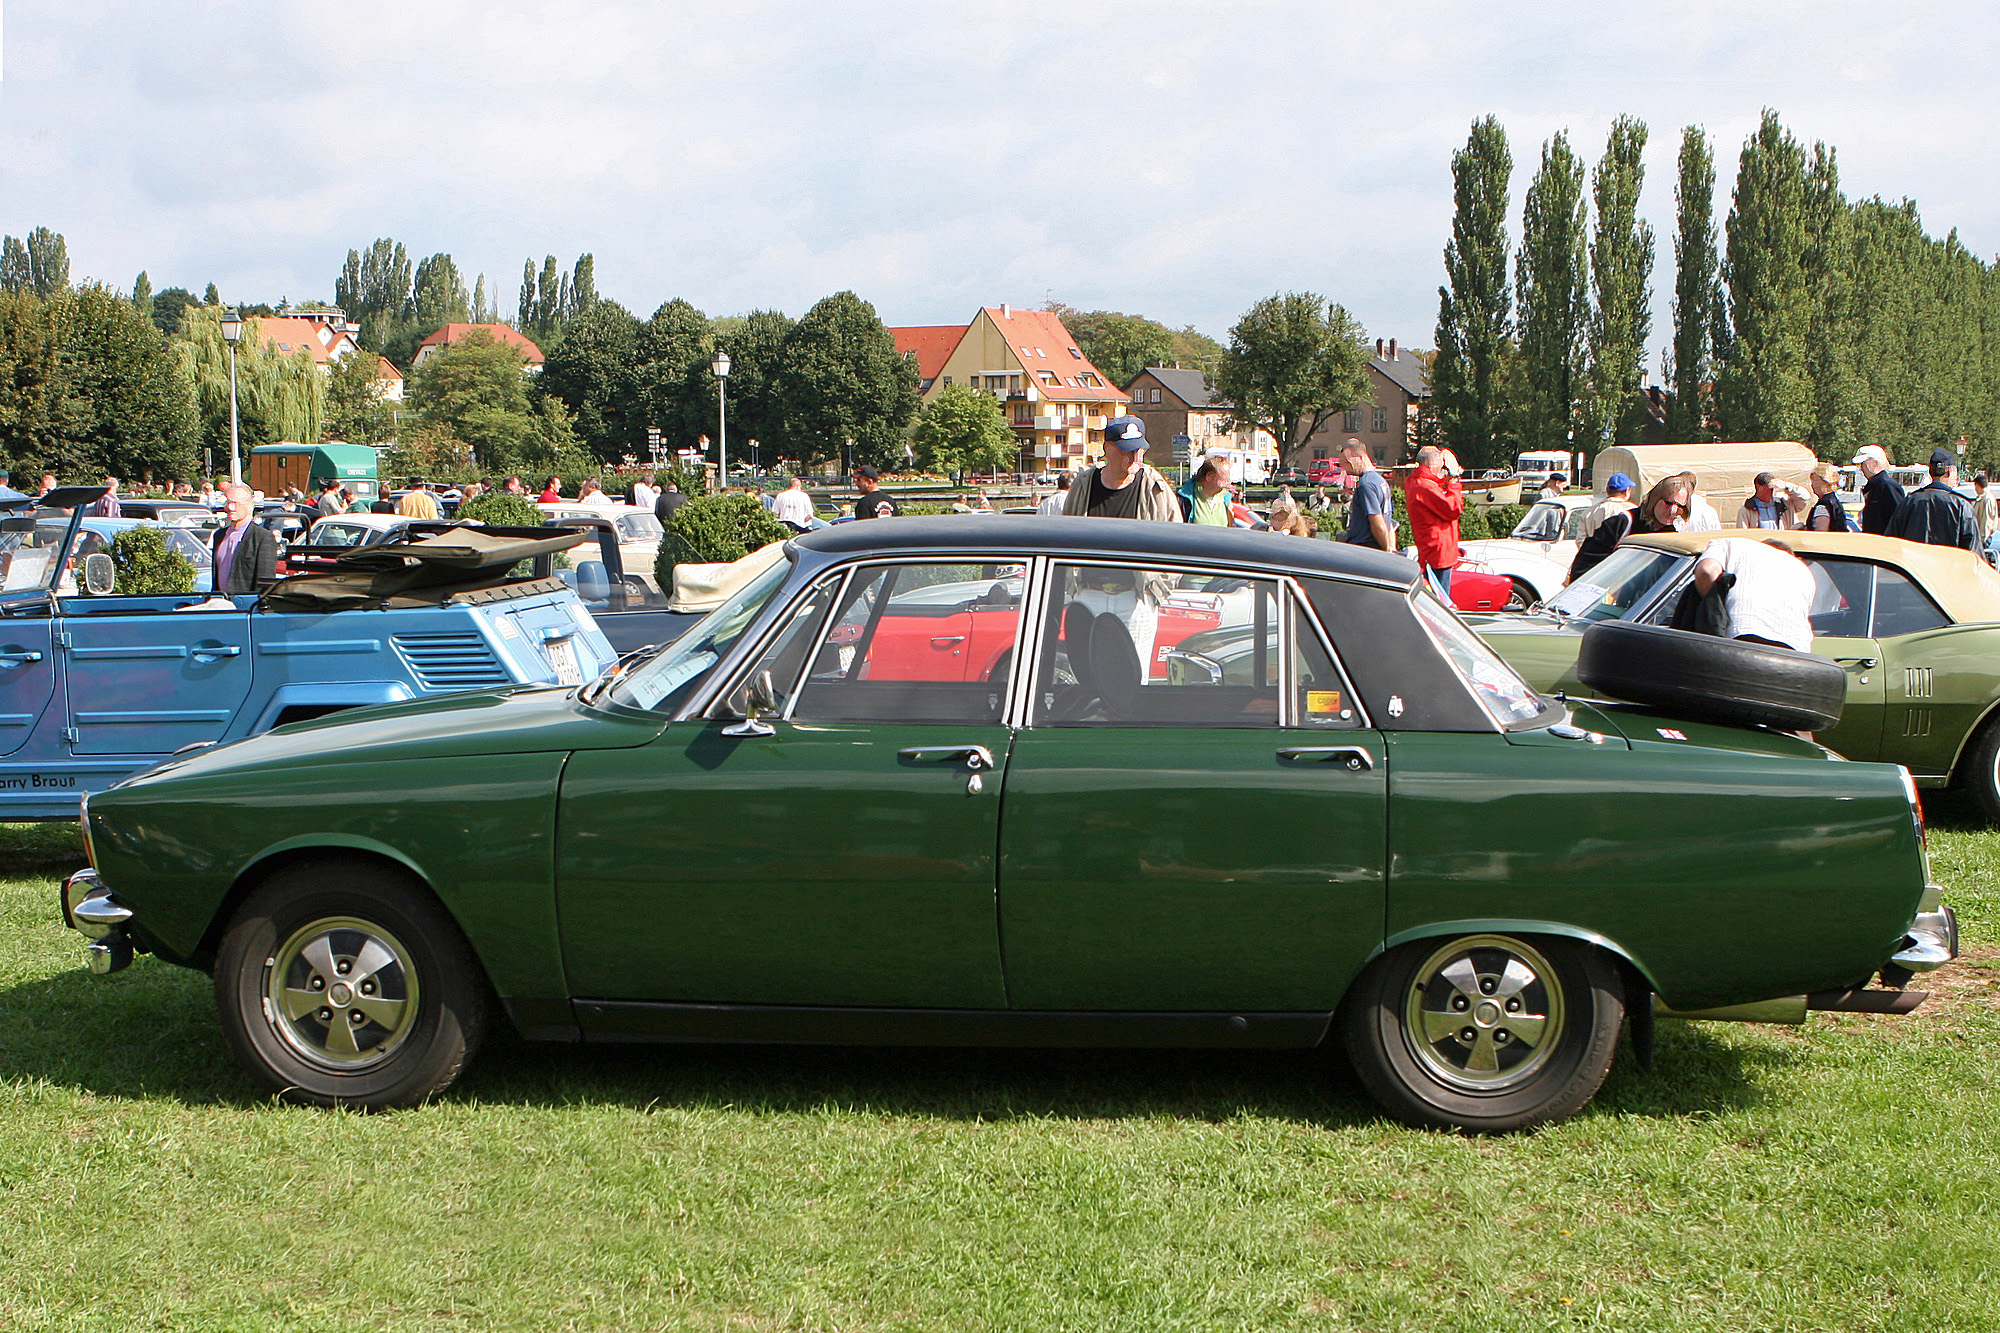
[[1724, 472], [705, 587], [1966, 587]]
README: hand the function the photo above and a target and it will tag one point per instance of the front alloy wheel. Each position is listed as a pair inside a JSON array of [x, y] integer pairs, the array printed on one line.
[[1484, 1033], [342, 983]]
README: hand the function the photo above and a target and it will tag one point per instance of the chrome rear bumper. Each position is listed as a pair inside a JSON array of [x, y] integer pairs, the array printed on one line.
[[1932, 938]]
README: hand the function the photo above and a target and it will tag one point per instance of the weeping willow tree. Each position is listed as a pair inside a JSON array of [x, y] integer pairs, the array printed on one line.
[[278, 396]]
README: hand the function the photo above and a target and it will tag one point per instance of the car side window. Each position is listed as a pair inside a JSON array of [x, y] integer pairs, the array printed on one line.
[[1901, 606], [1322, 697], [1146, 647], [1843, 598], [927, 642]]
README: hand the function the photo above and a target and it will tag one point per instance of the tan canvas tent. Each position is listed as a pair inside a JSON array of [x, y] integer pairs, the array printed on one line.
[[1726, 471]]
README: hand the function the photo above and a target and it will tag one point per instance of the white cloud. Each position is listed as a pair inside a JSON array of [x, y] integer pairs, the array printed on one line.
[[1181, 162]]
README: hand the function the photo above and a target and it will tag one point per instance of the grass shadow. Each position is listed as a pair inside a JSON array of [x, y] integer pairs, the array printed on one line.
[[151, 1032]]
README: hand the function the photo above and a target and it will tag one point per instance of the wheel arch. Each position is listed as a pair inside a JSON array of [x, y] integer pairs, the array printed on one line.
[[1970, 741], [1635, 971], [297, 851]]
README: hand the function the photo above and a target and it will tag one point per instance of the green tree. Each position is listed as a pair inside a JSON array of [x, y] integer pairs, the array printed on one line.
[[1699, 320], [1764, 389], [17, 271], [1293, 361], [756, 347], [591, 371], [476, 390], [672, 387], [438, 296], [1552, 298], [1838, 407], [374, 289], [1474, 344], [169, 306], [963, 429], [31, 387], [142, 294], [278, 396], [210, 296], [48, 259], [844, 380], [126, 405], [1621, 271], [355, 410], [482, 304]]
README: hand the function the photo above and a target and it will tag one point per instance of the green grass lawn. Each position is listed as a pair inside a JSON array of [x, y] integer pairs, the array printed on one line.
[[1839, 1176]]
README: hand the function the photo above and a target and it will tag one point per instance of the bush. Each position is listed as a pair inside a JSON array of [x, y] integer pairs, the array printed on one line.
[[715, 529], [1472, 525], [1503, 519], [147, 565], [502, 510]]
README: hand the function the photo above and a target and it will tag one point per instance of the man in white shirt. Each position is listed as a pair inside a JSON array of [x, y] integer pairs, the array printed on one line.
[[1771, 602], [793, 506], [643, 495], [1052, 503]]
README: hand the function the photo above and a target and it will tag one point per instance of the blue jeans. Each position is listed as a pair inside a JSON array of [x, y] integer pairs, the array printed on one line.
[[1440, 580]]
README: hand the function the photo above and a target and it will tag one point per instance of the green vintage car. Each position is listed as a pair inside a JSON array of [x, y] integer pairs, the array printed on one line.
[[1917, 628], [934, 782]]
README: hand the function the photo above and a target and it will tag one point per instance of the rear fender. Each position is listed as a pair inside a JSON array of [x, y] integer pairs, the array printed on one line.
[[1434, 930]]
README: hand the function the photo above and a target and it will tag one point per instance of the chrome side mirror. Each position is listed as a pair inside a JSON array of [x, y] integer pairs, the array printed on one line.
[[100, 576], [760, 696]]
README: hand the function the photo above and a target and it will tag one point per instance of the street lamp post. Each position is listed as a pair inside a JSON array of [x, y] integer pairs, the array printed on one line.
[[232, 332], [721, 368]]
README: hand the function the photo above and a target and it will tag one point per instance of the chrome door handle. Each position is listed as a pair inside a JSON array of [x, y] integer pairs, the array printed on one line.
[[1353, 756], [975, 757], [1865, 663], [20, 658], [943, 641], [225, 650]]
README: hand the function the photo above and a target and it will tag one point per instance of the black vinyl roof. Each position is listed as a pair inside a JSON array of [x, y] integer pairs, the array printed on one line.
[[1119, 538]]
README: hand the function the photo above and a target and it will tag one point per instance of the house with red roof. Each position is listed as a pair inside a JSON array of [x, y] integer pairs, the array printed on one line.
[[500, 333], [1055, 399], [324, 335]]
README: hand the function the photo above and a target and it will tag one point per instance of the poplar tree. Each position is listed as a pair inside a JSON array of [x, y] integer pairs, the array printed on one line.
[[1473, 331], [1764, 391], [1621, 272], [48, 260], [1838, 409], [1550, 298], [142, 294], [1699, 329], [438, 296]]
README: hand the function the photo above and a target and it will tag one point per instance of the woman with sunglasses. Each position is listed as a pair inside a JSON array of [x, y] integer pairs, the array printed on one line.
[[1664, 506]]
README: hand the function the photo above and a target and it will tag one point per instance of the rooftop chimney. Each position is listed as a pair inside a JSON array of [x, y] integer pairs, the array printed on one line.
[[1378, 347], [1392, 349], [1006, 310]]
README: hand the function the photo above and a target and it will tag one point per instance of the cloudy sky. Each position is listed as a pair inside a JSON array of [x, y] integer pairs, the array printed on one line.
[[1179, 161]]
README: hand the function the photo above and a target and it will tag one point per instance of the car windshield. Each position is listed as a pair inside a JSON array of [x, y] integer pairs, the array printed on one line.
[[639, 528], [1616, 584], [659, 681], [332, 533], [1542, 523], [1507, 698]]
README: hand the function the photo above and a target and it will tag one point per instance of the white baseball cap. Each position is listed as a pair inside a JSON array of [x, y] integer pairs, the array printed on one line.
[[1874, 451]]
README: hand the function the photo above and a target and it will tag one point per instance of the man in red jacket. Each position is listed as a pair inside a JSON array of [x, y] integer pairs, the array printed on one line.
[[1435, 500]]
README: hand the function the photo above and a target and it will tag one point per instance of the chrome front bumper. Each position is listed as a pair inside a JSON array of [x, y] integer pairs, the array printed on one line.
[[1932, 939], [92, 911]]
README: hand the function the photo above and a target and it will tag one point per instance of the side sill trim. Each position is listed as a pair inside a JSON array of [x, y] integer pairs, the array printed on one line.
[[626, 1020]]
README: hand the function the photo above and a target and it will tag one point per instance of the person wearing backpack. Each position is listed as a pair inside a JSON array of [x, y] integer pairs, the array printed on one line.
[[1828, 514]]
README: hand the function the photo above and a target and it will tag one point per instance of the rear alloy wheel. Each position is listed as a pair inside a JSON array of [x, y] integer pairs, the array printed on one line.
[[343, 985], [1520, 597], [1982, 771], [1484, 1033]]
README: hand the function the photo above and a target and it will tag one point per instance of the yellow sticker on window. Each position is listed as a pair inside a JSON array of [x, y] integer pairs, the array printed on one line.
[[1323, 701]]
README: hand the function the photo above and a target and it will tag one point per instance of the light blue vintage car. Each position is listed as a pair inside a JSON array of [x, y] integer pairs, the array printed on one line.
[[97, 686]]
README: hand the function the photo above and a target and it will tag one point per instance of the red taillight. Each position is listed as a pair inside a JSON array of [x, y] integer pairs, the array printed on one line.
[[1916, 808]]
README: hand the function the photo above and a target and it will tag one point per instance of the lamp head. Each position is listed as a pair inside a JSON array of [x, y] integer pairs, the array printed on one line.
[[721, 365], [232, 327]]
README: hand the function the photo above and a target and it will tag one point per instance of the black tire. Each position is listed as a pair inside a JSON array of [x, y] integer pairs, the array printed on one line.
[[1716, 680], [1980, 772], [1521, 597], [405, 1000], [1422, 1019]]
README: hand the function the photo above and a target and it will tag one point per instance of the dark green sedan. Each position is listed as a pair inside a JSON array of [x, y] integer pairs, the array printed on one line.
[[935, 782]]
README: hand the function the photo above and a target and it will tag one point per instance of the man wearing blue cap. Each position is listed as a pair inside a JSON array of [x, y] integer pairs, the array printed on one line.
[[1124, 486], [1617, 500], [1937, 514]]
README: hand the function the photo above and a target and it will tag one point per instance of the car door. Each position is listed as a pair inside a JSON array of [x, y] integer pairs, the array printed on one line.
[[1210, 840], [845, 858], [27, 664], [1935, 689], [1842, 611], [140, 677]]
